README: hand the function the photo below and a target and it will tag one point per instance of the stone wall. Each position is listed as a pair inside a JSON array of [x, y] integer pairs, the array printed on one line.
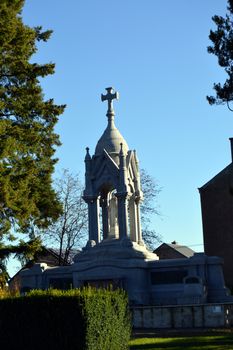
[[189, 316]]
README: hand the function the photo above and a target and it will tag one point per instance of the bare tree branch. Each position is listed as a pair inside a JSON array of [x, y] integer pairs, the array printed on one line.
[[70, 229], [149, 208]]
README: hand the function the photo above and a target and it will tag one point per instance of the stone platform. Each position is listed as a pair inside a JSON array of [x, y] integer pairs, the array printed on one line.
[[147, 280]]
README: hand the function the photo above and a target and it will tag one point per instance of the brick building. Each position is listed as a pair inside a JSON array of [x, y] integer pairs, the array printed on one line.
[[217, 218]]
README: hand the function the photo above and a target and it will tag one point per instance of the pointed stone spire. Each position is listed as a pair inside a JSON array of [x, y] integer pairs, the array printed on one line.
[[87, 160], [121, 150], [122, 170], [231, 141], [88, 157]]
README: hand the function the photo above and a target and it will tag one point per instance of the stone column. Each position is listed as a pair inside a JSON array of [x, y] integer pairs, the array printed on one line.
[[105, 223], [93, 218], [133, 220], [122, 214], [122, 196], [113, 217], [139, 229]]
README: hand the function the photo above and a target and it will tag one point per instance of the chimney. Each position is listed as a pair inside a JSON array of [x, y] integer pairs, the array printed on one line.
[[174, 242], [231, 141]]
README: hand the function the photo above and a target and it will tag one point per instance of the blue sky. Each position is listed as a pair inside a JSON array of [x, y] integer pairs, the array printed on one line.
[[154, 53]]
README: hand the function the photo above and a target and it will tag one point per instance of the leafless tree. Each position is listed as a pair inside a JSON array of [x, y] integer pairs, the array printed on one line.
[[149, 208], [70, 230]]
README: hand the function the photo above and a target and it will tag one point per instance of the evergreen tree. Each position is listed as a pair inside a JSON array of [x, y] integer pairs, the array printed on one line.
[[27, 137], [222, 39]]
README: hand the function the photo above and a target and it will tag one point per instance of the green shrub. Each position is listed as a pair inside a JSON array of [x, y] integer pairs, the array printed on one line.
[[87, 319], [111, 332]]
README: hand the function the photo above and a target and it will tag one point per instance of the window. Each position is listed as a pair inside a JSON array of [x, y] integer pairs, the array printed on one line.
[[61, 283], [168, 277]]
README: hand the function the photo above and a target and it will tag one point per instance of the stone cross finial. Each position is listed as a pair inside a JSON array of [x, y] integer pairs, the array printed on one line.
[[110, 96]]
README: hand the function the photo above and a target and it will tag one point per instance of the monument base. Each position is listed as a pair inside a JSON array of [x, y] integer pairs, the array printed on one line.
[[114, 249], [130, 266]]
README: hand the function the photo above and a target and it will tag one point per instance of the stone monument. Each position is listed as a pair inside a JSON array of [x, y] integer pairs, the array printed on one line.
[[115, 253], [113, 185]]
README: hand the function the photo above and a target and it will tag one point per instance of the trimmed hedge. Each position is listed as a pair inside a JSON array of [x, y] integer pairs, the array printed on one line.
[[90, 319]]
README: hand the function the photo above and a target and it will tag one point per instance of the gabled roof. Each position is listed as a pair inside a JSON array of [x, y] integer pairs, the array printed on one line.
[[225, 172], [182, 249], [54, 252]]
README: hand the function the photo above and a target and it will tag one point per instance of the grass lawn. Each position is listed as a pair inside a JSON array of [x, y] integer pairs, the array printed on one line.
[[195, 342]]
